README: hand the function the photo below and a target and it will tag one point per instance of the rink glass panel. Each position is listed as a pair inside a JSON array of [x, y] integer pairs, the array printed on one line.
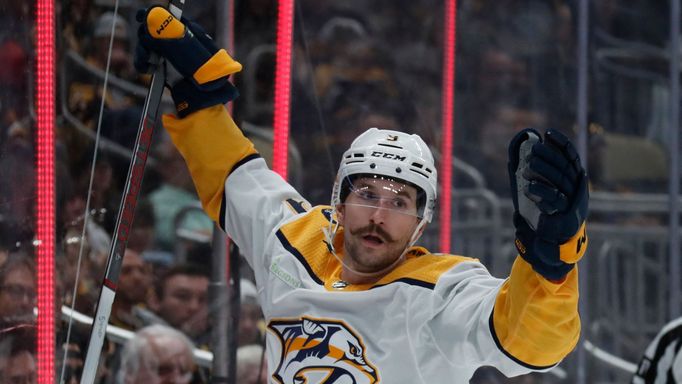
[[27, 197]]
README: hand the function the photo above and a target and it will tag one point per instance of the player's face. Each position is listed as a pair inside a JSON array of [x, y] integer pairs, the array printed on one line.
[[379, 216]]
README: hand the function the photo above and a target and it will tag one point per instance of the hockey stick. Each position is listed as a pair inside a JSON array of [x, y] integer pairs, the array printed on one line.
[[126, 213]]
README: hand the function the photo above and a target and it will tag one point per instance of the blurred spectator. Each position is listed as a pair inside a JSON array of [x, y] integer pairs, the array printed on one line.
[[160, 261], [96, 244], [126, 8], [250, 315], [340, 92], [17, 184], [68, 265], [128, 310], [524, 26], [17, 355], [77, 19], [251, 366], [491, 78], [182, 301], [500, 76], [143, 231], [121, 60], [156, 354], [74, 364], [175, 193], [16, 47], [122, 111], [7, 240], [4, 253], [16, 21], [640, 21], [17, 290], [518, 53], [20, 367], [68, 354], [105, 197], [494, 131], [133, 287], [13, 78], [256, 24]]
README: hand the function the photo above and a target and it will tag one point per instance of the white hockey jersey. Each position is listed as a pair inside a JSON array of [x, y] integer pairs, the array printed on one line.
[[433, 319]]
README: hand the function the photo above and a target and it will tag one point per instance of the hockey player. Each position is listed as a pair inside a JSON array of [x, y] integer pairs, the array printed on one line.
[[346, 295]]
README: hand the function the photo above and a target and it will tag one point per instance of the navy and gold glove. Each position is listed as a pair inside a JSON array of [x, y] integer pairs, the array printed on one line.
[[203, 68], [550, 196]]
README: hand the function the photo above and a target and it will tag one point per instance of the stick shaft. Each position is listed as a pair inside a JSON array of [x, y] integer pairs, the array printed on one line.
[[126, 213]]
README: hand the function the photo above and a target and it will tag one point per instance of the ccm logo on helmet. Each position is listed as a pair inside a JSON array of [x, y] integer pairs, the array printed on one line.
[[387, 155]]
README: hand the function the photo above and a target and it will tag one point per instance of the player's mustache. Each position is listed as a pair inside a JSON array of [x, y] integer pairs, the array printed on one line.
[[374, 230]]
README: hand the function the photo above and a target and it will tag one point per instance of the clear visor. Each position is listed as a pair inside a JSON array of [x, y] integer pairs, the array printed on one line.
[[381, 192]]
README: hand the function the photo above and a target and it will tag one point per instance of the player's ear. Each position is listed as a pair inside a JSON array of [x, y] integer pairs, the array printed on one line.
[[340, 213]]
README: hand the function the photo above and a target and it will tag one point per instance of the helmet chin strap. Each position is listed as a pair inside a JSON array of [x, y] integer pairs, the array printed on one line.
[[330, 235]]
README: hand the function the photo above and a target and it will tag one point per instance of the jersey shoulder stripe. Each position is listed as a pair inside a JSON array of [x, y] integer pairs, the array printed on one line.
[[422, 268], [313, 272], [304, 237]]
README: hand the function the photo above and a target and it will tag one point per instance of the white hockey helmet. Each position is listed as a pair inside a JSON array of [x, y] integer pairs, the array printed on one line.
[[396, 155]]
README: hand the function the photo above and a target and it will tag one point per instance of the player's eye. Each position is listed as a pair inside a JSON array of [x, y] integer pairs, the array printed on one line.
[[365, 194], [399, 203]]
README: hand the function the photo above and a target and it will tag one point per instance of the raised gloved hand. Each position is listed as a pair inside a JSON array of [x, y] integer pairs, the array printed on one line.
[[202, 67], [550, 195]]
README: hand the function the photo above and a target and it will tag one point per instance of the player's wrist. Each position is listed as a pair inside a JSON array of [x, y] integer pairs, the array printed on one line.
[[188, 98], [541, 254]]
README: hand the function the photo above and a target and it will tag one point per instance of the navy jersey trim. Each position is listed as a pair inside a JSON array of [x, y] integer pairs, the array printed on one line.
[[245, 160], [509, 355], [223, 201], [296, 205], [287, 245], [221, 217], [410, 281]]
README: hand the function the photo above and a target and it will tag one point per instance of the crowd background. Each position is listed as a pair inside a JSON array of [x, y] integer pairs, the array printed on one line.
[[356, 64]]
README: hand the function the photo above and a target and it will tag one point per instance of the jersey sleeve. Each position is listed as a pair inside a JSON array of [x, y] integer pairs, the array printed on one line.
[[234, 184], [518, 325], [535, 322]]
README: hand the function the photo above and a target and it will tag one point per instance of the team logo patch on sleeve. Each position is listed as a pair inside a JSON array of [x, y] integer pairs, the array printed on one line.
[[320, 351]]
